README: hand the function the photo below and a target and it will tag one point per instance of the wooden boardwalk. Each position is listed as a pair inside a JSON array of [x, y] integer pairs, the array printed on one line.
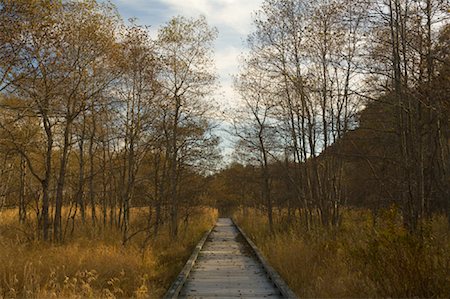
[[226, 266]]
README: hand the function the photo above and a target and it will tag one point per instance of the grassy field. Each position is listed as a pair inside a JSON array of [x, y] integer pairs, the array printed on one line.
[[359, 259], [93, 263]]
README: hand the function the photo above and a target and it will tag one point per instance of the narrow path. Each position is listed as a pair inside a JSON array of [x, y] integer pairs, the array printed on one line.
[[227, 268]]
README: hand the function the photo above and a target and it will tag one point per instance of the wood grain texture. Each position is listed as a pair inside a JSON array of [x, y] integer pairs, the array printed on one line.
[[226, 267], [274, 276], [179, 282]]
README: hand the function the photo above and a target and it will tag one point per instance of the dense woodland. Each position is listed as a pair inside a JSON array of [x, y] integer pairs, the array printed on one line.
[[345, 105], [96, 113]]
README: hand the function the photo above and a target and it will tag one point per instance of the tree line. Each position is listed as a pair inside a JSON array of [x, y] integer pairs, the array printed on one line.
[[97, 116], [344, 103]]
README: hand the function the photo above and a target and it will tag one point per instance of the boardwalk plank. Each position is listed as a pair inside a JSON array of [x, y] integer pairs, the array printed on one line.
[[226, 268]]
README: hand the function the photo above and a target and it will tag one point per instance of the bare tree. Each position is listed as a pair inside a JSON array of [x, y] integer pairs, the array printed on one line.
[[187, 79], [255, 126]]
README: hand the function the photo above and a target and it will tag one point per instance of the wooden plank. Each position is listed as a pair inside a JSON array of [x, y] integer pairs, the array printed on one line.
[[177, 285], [226, 275], [274, 276], [229, 292], [226, 267], [212, 295], [230, 288], [240, 280]]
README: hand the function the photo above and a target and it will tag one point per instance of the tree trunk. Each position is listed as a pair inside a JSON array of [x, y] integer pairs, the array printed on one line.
[[173, 170], [80, 191], [22, 200], [91, 172], [57, 229]]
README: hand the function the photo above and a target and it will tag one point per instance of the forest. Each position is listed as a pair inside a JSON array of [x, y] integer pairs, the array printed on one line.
[[112, 163]]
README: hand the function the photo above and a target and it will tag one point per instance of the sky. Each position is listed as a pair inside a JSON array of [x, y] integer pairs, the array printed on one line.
[[232, 18]]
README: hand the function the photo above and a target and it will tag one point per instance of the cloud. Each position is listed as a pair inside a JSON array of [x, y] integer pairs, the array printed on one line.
[[234, 14], [227, 64], [227, 59], [233, 19]]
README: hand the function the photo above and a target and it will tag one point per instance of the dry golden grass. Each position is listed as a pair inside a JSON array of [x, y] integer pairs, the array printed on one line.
[[357, 260], [93, 263]]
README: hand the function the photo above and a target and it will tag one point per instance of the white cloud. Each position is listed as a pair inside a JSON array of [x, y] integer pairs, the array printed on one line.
[[227, 65], [230, 13], [233, 19], [227, 59]]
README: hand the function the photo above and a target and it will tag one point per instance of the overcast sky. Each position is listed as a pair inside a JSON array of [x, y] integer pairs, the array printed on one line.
[[231, 17]]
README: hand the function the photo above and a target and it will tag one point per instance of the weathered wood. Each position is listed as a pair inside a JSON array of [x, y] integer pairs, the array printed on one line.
[[227, 266], [274, 276], [179, 282]]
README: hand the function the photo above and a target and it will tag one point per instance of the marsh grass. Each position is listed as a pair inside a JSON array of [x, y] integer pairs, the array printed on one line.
[[359, 259], [93, 263]]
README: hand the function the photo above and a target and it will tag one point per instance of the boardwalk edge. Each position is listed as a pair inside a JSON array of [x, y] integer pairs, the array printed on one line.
[[177, 285], [273, 275]]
